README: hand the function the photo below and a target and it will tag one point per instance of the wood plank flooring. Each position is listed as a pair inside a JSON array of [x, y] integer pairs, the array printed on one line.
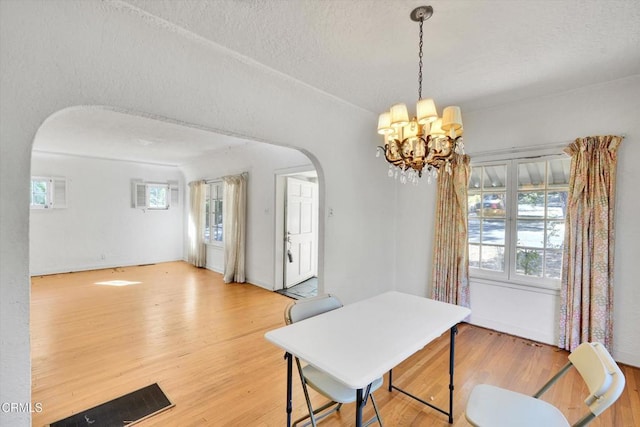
[[202, 341]]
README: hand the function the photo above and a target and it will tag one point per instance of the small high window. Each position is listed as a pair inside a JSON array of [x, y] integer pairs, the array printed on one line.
[[48, 192], [153, 196]]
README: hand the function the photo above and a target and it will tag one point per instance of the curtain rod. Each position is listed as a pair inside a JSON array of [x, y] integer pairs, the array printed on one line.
[[209, 181], [515, 150], [531, 149]]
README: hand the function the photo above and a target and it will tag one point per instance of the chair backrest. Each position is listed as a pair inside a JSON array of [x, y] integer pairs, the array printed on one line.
[[601, 374], [309, 307]]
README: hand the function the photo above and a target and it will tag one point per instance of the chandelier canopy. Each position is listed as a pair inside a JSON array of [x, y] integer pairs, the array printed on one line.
[[426, 140]]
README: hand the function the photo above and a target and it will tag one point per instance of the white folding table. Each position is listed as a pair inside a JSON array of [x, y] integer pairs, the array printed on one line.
[[359, 342]]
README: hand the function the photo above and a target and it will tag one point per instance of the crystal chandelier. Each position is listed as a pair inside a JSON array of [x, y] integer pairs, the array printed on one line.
[[426, 140]]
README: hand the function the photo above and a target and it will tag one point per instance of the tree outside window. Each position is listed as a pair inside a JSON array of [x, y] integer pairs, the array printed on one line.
[[39, 192], [516, 219]]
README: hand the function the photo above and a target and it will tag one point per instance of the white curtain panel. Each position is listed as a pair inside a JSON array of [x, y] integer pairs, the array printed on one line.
[[234, 224], [197, 251]]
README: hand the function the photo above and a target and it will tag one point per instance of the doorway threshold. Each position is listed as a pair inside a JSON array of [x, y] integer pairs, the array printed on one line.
[[306, 289]]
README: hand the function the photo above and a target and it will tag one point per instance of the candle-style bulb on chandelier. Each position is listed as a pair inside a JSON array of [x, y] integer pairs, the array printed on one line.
[[426, 140]]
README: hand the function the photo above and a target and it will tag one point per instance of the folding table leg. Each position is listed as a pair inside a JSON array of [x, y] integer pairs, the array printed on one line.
[[289, 386], [359, 406], [452, 347]]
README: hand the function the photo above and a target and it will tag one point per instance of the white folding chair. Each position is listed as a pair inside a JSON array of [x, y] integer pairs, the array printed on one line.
[[497, 407], [324, 384]]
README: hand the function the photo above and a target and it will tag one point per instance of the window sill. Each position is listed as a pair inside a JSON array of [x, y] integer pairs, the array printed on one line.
[[528, 287]]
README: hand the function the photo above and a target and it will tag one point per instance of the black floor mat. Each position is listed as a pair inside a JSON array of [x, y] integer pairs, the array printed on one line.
[[122, 411]]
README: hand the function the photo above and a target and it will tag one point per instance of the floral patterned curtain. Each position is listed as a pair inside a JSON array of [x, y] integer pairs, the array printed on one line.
[[586, 312], [450, 275]]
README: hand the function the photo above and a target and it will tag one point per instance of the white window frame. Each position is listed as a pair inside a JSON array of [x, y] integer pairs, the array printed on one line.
[[150, 187], [509, 275], [55, 193], [214, 192], [141, 194]]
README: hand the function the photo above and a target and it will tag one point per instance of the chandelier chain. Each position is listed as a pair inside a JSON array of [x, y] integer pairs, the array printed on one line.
[[420, 62]]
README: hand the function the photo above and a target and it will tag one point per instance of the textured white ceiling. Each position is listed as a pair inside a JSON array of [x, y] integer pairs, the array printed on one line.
[[477, 54], [103, 133]]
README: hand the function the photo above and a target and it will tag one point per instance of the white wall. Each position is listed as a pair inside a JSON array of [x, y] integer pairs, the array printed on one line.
[[99, 228], [261, 161], [55, 55], [414, 236], [611, 108]]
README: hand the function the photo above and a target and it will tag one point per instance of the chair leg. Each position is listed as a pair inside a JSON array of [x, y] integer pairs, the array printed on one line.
[[553, 380], [318, 411], [377, 416], [375, 408], [306, 396], [312, 413]]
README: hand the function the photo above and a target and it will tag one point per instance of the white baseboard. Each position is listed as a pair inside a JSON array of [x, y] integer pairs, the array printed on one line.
[[249, 280], [619, 356], [626, 358], [513, 330], [89, 267], [214, 269], [260, 283]]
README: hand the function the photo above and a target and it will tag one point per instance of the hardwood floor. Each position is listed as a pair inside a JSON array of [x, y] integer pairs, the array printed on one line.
[[202, 341]]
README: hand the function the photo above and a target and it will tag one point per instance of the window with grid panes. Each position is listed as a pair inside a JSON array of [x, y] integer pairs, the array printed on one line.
[[48, 192], [213, 213], [516, 219], [39, 192]]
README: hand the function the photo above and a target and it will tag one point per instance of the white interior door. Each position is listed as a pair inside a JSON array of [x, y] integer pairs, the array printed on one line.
[[301, 231]]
